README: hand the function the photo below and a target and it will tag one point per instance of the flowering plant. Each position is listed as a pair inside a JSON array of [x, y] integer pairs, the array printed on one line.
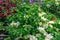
[[31, 21], [5, 7]]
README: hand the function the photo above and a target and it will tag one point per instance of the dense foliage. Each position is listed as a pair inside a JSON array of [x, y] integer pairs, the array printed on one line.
[[25, 21]]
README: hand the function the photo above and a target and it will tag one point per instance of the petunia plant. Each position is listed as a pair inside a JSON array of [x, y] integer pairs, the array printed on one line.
[[5, 8]]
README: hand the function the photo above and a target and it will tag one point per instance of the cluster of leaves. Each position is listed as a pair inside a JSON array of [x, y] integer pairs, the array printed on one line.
[[28, 16], [51, 6]]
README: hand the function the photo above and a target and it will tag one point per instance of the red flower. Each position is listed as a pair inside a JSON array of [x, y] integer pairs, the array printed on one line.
[[54, 19], [0, 9], [2, 15], [15, 11], [8, 13], [9, 6], [14, 5]]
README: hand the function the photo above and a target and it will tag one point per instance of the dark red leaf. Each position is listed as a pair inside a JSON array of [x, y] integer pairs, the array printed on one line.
[[54, 19]]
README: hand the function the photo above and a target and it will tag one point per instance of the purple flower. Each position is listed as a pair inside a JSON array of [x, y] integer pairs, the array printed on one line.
[[31, 1], [40, 1]]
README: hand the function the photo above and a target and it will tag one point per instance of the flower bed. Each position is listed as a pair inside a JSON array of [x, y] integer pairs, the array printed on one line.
[[29, 22]]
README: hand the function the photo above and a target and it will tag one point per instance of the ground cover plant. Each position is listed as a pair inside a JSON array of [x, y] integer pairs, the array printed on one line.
[[29, 21]]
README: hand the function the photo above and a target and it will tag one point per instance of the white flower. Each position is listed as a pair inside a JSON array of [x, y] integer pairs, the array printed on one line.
[[57, 3], [46, 25], [40, 23], [56, 0], [26, 36], [26, 16], [17, 38], [15, 24], [43, 18], [59, 23], [41, 14], [50, 25], [48, 5], [39, 9], [38, 35], [42, 30], [48, 37], [51, 22], [12, 24], [32, 37]]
